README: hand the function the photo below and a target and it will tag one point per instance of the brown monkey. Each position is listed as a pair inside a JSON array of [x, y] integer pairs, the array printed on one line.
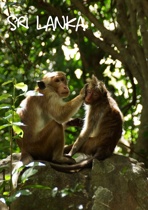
[[43, 115], [102, 127]]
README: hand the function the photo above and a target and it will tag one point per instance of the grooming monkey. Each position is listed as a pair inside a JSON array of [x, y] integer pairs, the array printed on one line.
[[102, 127], [43, 116]]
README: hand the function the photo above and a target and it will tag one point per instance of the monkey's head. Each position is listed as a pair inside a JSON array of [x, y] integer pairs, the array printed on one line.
[[95, 91], [54, 82]]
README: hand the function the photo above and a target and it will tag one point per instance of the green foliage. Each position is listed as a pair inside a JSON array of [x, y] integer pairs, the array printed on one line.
[[16, 195], [10, 122]]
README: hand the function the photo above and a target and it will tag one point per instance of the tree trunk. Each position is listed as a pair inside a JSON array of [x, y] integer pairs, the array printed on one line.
[[141, 146]]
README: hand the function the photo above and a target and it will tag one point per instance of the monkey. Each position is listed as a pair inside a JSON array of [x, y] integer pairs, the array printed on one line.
[[43, 115], [102, 127]]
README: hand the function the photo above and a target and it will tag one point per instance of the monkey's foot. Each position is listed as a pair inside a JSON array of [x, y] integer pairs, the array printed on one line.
[[69, 159]]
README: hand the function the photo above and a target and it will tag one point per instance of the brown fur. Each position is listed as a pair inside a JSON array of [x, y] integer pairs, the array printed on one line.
[[43, 116], [103, 122]]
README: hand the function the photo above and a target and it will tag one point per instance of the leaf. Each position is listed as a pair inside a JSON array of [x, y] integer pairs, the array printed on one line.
[[17, 195], [21, 86], [12, 117], [16, 119], [38, 186], [28, 173], [5, 96], [8, 117], [17, 130], [4, 106], [6, 83], [18, 124], [5, 126]]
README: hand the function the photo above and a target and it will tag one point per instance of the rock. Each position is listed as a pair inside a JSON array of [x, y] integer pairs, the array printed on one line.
[[119, 183], [115, 183]]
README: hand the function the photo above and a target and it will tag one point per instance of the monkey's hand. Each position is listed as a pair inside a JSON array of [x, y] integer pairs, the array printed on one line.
[[83, 91], [72, 151]]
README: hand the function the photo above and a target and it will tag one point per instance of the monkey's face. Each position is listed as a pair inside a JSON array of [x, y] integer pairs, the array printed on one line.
[[59, 83], [95, 92], [92, 95], [54, 82]]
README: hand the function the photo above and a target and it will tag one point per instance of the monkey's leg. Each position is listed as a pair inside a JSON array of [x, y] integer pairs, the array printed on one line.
[[89, 147], [101, 148], [53, 137], [59, 149], [67, 148]]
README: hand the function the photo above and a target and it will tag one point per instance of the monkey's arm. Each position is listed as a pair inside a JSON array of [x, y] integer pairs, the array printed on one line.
[[83, 137], [76, 122], [62, 112]]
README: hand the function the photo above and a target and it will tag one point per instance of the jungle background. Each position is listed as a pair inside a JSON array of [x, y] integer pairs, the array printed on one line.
[[114, 47]]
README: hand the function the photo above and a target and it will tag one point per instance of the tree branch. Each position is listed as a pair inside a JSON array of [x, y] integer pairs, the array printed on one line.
[[134, 94], [143, 27], [129, 29], [107, 35], [138, 51]]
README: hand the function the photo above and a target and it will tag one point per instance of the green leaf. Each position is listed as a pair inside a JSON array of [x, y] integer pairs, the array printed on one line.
[[12, 117], [6, 83], [21, 86], [37, 186], [5, 96], [28, 173], [4, 106], [17, 130], [5, 126], [17, 195], [18, 124], [8, 117], [16, 119]]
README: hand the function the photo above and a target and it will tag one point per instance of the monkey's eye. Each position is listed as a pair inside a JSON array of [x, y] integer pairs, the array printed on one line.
[[96, 94], [89, 91], [62, 79], [57, 80]]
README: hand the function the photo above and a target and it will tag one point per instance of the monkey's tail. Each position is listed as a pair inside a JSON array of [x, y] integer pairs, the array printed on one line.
[[74, 167]]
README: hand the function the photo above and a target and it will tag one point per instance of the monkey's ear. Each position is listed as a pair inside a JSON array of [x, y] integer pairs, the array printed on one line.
[[41, 85], [94, 79], [103, 88]]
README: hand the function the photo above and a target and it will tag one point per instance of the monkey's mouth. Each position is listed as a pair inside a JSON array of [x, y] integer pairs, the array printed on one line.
[[65, 93], [87, 102]]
